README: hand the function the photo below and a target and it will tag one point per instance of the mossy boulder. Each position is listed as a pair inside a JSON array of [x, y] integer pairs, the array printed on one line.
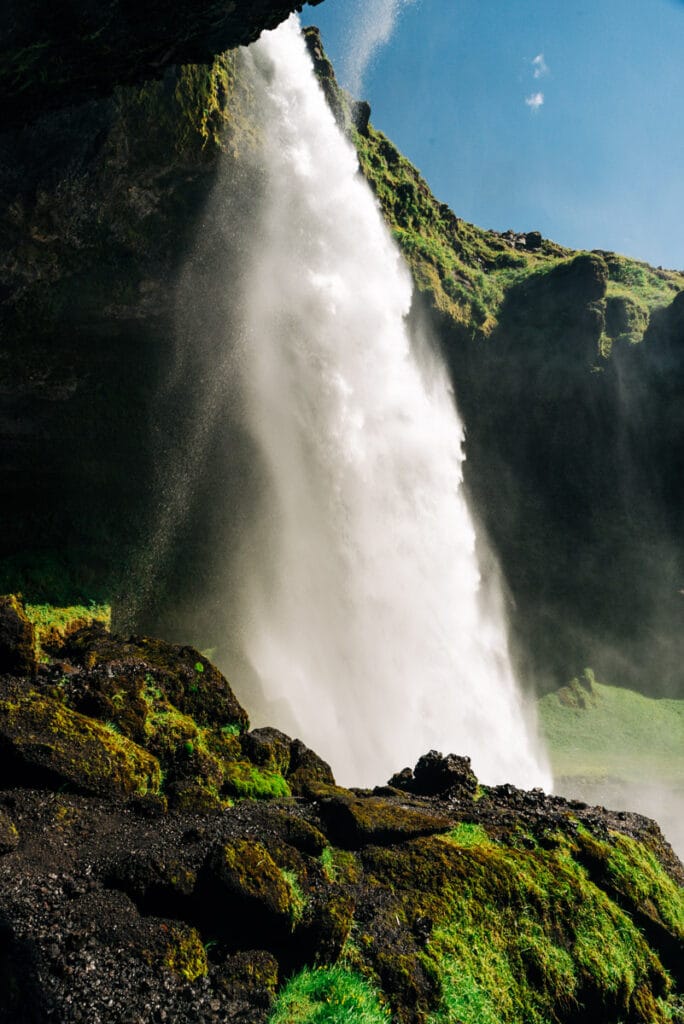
[[17, 638], [249, 977], [354, 822], [9, 833], [179, 951], [183, 676], [247, 895], [42, 742]]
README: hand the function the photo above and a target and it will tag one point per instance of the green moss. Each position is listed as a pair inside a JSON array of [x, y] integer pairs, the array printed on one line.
[[329, 995], [637, 876], [53, 625], [44, 736], [520, 935], [246, 780], [467, 834], [298, 900], [340, 865], [184, 955]]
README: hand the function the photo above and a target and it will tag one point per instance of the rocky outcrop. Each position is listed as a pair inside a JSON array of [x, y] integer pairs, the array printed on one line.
[[430, 897], [53, 57]]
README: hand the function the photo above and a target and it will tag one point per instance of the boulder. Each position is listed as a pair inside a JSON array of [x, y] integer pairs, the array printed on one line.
[[43, 743], [17, 638], [435, 775]]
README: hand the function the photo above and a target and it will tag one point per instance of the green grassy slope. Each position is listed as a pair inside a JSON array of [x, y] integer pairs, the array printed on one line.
[[618, 748], [596, 731]]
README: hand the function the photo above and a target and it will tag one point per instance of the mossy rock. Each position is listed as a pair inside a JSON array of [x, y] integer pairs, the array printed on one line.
[[244, 898], [300, 833], [355, 822], [249, 975], [9, 834], [515, 935], [180, 951], [307, 770], [268, 748], [53, 626], [181, 674], [17, 638], [44, 743], [194, 798], [157, 885]]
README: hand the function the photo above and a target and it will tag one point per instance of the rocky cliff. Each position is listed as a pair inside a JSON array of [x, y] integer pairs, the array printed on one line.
[[160, 861]]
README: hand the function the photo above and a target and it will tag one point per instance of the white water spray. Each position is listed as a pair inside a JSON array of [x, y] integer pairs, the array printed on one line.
[[362, 603]]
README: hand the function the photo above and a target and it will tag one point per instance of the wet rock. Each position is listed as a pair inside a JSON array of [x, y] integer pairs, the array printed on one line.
[[9, 834], [17, 638], [249, 976], [112, 43], [360, 115], [269, 748], [181, 674]]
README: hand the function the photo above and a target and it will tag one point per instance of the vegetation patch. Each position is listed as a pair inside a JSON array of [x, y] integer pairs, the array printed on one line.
[[594, 730], [246, 780], [54, 625], [329, 995], [520, 935]]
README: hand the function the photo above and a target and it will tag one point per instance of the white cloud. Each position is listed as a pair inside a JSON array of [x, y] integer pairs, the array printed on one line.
[[540, 66], [535, 101]]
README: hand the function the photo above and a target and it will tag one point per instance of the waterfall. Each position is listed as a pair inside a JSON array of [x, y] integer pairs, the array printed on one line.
[[361, 606]]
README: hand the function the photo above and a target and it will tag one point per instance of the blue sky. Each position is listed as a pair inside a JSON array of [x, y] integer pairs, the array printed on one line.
[[598, 164]]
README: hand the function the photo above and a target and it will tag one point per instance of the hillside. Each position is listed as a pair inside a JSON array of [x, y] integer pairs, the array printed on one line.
[[618, 748]]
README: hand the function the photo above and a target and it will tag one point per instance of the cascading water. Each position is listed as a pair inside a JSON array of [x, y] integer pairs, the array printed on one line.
[[361, 608]]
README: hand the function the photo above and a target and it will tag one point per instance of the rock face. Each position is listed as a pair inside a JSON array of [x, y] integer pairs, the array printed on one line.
[[53, 57], [134, 887]]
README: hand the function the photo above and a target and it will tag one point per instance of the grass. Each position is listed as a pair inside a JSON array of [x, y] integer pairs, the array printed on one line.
[[466, 834], [553, 923], [298, 899], [329, 995], [53, 625], [245, 780], [619, 733]]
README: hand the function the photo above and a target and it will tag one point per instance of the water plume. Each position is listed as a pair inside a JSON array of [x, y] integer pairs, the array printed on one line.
[[372, 25], [361, 607]]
